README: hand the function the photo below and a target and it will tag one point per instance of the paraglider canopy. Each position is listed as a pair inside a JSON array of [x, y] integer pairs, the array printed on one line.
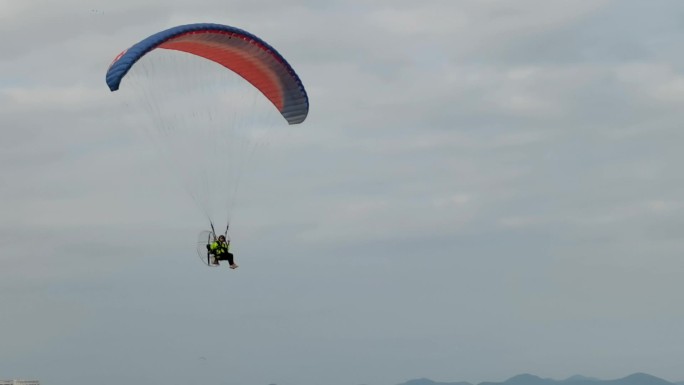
[[238, 50]]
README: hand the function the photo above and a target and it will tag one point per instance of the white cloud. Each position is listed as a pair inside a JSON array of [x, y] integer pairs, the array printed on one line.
[[77, 97]]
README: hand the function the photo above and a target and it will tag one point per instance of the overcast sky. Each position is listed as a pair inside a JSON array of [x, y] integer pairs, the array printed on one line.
[[481, 189]]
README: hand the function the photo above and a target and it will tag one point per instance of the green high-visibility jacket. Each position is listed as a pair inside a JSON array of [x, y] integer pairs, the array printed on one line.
[[218, 248]]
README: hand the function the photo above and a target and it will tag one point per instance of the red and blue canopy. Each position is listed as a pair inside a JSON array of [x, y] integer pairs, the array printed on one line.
[[240, 51]]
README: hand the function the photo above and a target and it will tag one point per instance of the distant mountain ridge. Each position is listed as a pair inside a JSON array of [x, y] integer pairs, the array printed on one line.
[[530, 379]]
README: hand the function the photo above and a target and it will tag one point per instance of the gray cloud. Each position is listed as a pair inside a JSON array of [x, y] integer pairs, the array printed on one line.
[[480, 190]]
